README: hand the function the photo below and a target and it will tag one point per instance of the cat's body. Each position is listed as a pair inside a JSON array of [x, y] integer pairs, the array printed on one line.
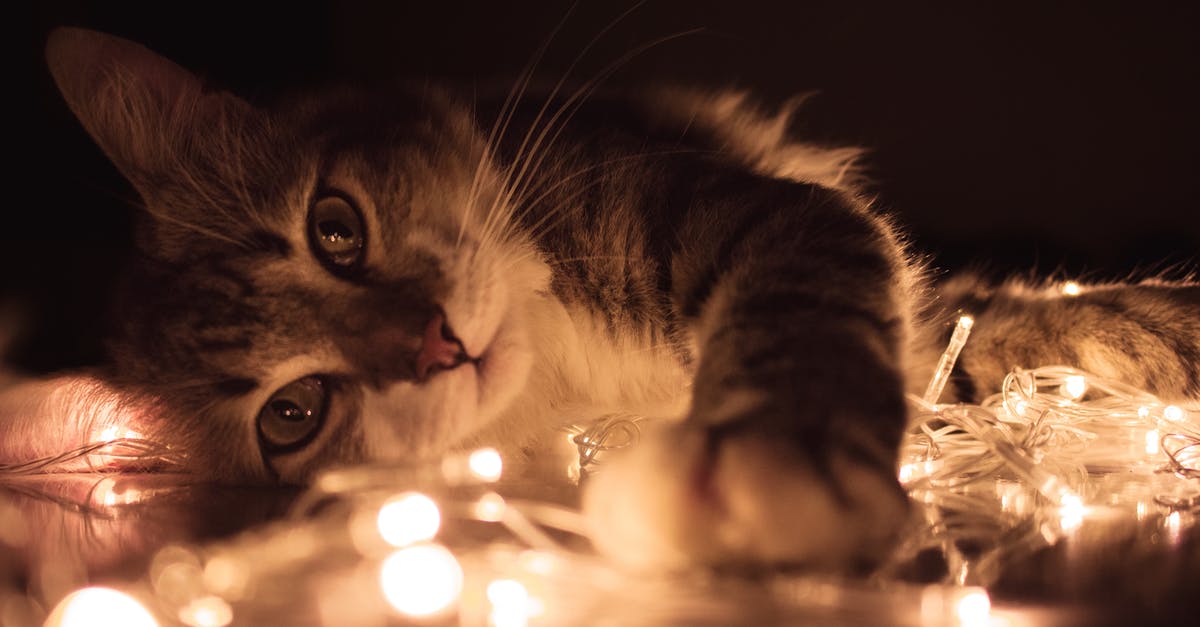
[[421, 271]]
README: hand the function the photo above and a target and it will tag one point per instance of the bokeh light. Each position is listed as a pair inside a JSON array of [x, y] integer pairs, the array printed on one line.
[[407, 519], [490, 507], [209, 611], [1075, 387], [486, 464], [510, 603], [973, 608], [421, 580], [100, 607]]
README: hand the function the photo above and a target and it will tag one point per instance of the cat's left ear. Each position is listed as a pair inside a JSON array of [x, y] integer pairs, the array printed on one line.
[[141, 108]]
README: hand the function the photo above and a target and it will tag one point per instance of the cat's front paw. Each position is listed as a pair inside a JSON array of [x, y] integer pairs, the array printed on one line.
[[689, 496]]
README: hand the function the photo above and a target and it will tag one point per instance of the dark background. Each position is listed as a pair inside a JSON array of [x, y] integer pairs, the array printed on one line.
[[1051, 138]]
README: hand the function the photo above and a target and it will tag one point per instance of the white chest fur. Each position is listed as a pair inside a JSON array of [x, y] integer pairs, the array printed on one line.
[[583, 371]]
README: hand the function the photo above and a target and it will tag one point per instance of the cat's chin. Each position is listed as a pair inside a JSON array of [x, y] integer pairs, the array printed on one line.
[[411, 420]]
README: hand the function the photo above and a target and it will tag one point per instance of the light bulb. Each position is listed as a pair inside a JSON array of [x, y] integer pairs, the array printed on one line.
[[100, 607], [1071, 288], [407, 519], [421, 580], [1071, 512], [1152, 442], [209, 611], [490, 507], [486, 464], [1075, 386], [973, 608], [510, 603]]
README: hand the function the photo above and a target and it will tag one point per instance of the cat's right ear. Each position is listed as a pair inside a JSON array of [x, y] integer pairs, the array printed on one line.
[[137, 105]]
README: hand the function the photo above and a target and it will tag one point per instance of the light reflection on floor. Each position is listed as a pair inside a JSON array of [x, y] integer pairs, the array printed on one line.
[[67, 532]]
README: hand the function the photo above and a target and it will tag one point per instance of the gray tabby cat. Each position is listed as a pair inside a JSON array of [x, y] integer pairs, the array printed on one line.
[[395, 274]]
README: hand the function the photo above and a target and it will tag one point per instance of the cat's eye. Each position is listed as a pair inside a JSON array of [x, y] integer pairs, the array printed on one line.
[[293, 415], [335, 230]]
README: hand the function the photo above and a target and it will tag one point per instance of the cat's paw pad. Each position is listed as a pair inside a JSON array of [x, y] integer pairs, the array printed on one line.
[[681, 499]]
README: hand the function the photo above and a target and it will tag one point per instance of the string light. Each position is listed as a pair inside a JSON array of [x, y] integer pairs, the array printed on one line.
[[1071, 512], [510, 603], [422, 580], [103, 454], [100, 607], [1075, 386], [209, 611], [1152, 446], [973, 609], [1018, 471], [490, 507], [1071, 288], [486, 464], [407, 519], [609, 433], [962, 330]]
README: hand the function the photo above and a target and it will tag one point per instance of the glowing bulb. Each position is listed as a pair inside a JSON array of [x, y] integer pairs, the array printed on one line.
[[111, 433], [906, 472], [973, 608], [1071, 288], [538, 563], [207, 611], [227, 576], [1071, 512], [574, 472], [100, 607], [1173, 413], [105, 493], [1075, 386], [1071, 502], [115, 432], [1152, 442], [421, 580], [1143, 411], [407, 519], [1174, 527], [486, 464], [490, 507], [958, 339], [510, 603]]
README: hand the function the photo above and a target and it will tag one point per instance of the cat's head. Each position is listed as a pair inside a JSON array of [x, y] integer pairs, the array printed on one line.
[[330, 280]]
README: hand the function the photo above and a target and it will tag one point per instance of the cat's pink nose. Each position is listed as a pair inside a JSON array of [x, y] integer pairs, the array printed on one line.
[[440, 350]]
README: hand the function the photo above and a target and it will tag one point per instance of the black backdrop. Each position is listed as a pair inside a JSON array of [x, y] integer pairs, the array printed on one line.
[[1052, 137]]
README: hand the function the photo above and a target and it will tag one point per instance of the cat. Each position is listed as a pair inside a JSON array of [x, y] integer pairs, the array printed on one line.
[[393, 274]]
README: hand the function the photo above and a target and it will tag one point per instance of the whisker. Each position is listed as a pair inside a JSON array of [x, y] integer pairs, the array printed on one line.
[[529, 205], [521, 157], [575, 102], [564, 260], [505, 115]]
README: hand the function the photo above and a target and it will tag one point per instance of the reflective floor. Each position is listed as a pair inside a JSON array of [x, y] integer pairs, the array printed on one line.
[[61, 533]]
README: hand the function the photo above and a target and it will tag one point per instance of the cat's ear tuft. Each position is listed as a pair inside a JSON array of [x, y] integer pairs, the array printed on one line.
[[94, 69], [134, 103]]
